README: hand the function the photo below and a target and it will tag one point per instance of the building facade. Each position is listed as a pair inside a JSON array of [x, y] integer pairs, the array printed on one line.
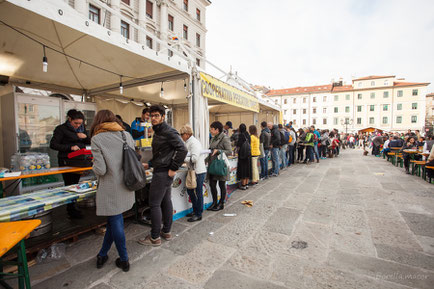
[[382, 102], [179, 23], [429, 119]]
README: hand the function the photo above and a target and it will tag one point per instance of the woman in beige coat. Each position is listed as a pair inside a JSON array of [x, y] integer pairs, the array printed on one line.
[[112, 197]]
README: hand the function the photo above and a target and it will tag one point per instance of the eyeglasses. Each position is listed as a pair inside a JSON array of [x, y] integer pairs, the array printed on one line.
[[156, 115]]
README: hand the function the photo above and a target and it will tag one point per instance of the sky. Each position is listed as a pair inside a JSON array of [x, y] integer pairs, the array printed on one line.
[[288, 43]]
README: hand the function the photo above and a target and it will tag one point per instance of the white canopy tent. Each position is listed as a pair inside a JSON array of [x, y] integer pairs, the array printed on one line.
[[98, 57]]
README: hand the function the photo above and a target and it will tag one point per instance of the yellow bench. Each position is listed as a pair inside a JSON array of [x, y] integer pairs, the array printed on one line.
[[12, 235]]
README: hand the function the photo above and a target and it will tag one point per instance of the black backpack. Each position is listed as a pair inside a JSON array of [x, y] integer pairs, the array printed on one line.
[[283, 138], [245, 149]]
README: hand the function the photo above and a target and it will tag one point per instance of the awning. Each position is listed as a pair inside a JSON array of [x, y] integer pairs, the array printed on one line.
[[219, 92], [57, 25]]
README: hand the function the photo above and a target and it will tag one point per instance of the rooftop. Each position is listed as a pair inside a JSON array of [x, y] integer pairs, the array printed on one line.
[[330, 88], [373, 77]]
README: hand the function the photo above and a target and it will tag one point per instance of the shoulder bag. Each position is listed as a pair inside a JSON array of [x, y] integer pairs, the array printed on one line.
[[134, 172]]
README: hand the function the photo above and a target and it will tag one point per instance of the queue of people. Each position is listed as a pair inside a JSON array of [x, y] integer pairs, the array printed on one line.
[[170, 150]]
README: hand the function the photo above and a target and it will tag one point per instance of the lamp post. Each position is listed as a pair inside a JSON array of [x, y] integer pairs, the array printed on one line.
[[346, 123]]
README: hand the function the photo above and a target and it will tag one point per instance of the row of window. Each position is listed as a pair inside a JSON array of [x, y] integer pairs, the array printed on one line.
[[359, 108], [385, 120], [399, 93], [386, 83], [149, 8], [95, 15]]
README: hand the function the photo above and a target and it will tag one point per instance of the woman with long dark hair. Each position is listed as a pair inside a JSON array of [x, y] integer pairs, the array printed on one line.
[[244, 158], [112, 197], [254, 140], [409, 145]]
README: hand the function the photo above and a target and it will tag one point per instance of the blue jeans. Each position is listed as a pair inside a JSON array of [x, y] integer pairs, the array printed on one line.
[[275, 160], [197, 198], [315, 149], [309, 154], [114, 233], [290, 155], [264, 164], [283, 162]]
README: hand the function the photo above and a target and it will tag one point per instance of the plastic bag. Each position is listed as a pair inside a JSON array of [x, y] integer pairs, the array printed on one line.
[[55, 252]]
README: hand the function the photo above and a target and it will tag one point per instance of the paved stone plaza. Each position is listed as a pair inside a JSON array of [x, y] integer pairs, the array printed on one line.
[[349, 222]]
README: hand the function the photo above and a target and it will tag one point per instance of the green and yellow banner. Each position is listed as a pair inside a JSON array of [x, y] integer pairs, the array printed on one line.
[[221, 91]]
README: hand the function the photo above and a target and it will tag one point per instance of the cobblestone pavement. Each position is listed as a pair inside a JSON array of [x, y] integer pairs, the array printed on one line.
[[349, 222]]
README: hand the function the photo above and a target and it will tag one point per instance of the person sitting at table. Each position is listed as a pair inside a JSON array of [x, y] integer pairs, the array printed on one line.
[[410, 145], [386, 146], [420, 141], [69, 137], [430, 163], [428, 144], [112, 196], [397, 142]]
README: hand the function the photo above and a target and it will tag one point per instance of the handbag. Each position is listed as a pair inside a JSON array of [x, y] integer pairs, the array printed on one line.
[[190, 180], [218, 167], [134, 172]]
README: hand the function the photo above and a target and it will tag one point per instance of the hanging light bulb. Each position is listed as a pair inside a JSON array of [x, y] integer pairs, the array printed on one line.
[[162, 90], [121, 87], [185, 86], [44, 61]]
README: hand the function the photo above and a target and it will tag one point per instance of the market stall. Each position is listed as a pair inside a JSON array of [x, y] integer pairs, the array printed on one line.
[[117, 74]]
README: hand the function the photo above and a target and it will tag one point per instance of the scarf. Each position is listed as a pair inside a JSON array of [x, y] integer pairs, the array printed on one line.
[[106, 127]]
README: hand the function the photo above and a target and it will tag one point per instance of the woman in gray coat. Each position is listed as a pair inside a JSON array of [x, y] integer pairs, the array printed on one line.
[[112, 197], [220, 143]]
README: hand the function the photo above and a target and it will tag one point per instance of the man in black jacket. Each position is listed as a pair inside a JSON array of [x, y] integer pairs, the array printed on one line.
[[265, 139], [275, 148], [168, 154]]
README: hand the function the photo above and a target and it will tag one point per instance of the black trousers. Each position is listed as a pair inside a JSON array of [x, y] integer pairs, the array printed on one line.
[[300, 153], [69, 179], [375, 149], [160, 201], [213, 185]]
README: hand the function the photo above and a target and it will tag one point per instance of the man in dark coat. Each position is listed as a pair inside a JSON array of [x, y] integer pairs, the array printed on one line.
[[168, 154], [275, 148]]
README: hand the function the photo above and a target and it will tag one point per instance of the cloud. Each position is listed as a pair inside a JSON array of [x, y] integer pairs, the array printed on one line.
[[289, 43]]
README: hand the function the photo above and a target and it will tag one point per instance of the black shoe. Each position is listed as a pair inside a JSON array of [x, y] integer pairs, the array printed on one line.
[[219, 207], [124, 265], [100, 261], [194, 219], [210, 208], [190, 214]]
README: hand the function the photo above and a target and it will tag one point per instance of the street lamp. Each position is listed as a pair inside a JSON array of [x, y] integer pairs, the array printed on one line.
[[346, 123]]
